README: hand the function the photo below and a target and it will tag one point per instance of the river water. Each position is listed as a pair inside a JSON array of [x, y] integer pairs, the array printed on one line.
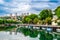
[[28, 34], [7, 36]]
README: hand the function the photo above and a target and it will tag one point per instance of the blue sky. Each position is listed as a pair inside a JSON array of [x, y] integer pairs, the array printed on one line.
[[32, 6]]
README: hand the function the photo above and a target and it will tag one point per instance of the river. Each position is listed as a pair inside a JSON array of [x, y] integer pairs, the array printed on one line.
[[28, 34]]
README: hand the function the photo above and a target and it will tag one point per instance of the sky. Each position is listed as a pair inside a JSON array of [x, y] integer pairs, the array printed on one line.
[[31, 6]]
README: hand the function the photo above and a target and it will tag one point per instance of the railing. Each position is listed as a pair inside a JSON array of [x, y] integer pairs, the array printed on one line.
[[34, 25]]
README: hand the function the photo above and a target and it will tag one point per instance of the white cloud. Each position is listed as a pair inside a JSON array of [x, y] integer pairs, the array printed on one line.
[[41, 5], [17, 5], [20, 6], [1, 1], [41, 0]]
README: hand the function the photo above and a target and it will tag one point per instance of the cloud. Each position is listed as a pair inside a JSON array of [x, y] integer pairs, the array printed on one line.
[[40, 5], [41, 0], [33, 6], [1, 1], [18, 5], [14, 6], [21, 7]]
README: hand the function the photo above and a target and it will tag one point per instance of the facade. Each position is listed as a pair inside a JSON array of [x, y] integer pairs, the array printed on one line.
[[13, 17], [54, 20]]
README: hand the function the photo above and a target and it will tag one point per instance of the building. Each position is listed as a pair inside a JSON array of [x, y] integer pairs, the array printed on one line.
[[13, 16], [54, 20]]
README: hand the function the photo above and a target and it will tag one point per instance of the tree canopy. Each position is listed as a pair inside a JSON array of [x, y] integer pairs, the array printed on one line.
[[45, 13], [33, 16], [57, 11]]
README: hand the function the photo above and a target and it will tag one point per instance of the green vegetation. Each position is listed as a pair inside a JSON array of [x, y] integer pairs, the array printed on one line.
[[45, 13], [45, 36], [48, 20], [36, 20], [58, 23], [10, 21], [28, 32], [44, 17], [57, 11], [33, 33], [31, 19], [7, 28], [26, 20], [33, 16]]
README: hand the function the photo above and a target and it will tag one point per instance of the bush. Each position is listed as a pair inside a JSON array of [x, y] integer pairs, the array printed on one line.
[[58, 23]]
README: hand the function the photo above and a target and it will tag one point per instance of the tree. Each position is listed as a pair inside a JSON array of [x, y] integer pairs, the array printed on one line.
[[33, 16], [26, 19], [1, 21], [45, 36], [36, 20], [57, 11], [48, 20], [48, 36], [45, 13], [30, 19], [11, 21]]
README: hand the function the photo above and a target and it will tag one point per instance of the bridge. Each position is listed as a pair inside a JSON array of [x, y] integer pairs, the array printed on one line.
[[32, 26], [36, 25]]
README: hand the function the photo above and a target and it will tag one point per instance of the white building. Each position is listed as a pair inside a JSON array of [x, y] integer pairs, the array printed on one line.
[[54, 19]]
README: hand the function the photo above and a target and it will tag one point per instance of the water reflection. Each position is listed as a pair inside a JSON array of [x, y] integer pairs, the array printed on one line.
[[43, 35], [28, 34], [6, 36]]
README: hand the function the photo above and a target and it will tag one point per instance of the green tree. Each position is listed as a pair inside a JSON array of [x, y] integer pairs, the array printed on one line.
[[48, 20], [36, 20], [11, 21], [1, 21], [33, 33], [45, 36], [57, 11], [45, 13], [48, 36], [28, 20], [33, 16], [24, 19]]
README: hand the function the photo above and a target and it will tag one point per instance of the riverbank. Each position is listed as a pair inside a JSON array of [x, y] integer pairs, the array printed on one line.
[[6, 28]]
